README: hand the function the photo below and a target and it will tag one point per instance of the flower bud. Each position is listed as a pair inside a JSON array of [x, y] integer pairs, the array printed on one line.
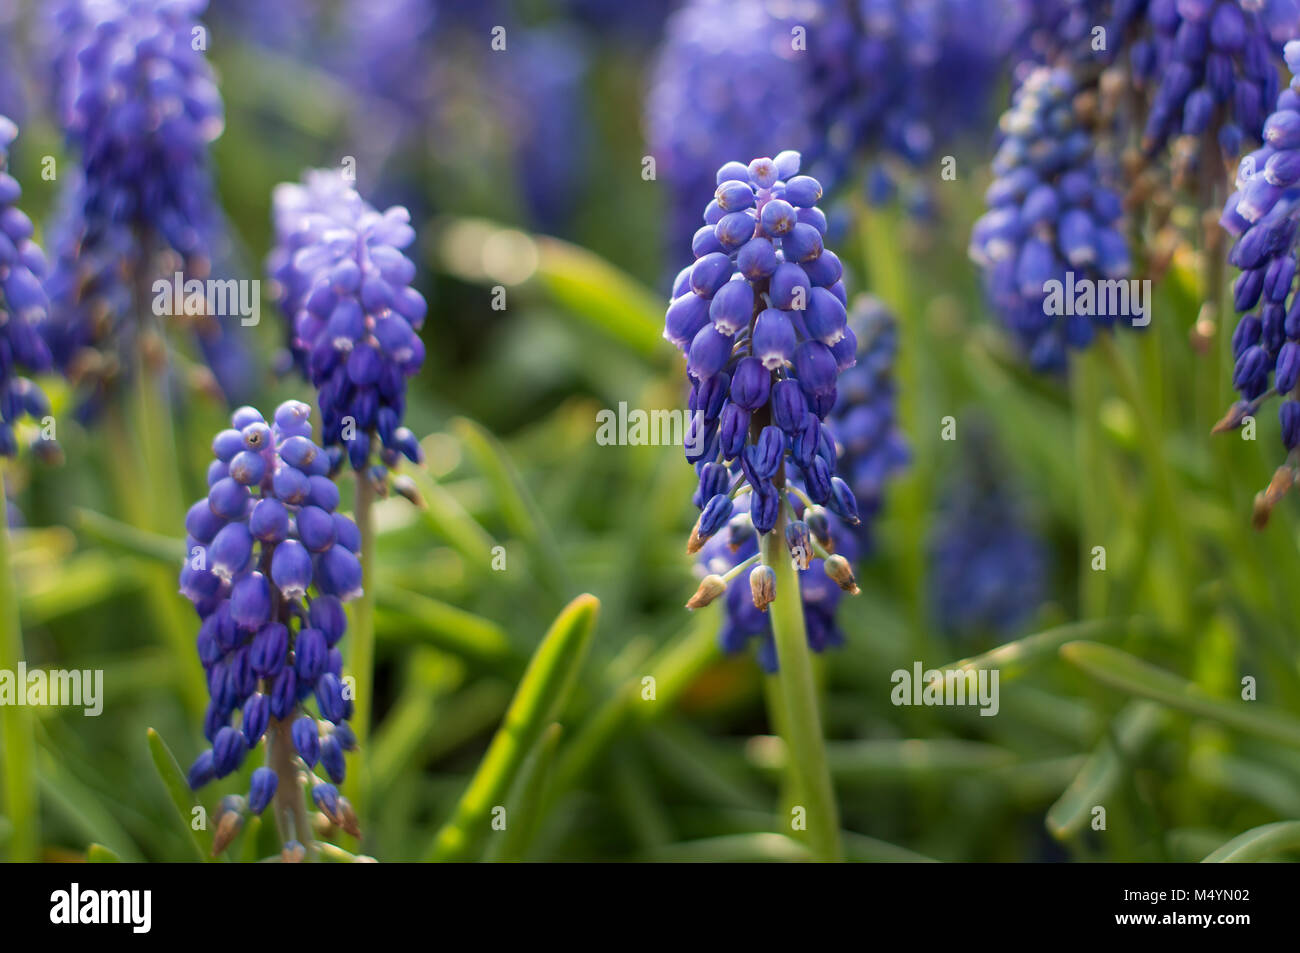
[[762, 586], [710, 588], [839, 570]]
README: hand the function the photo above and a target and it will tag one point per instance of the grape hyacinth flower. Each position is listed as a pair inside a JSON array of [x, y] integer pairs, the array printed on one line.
[[345, 288], [988, 567], [897, 81], [543, 90], [1261, 214], [727, 555], [1210, 68], [872, 449], [721, 65], [138, 101], [760, 317], [23, 308], [270, 564], [1052, 218]]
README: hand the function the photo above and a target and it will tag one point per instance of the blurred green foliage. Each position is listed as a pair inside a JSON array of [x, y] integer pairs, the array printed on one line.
[[1128, 697]]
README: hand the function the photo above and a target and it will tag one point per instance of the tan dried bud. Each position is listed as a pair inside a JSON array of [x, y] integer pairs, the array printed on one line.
[[695, 542], [347, 818], [1262, 511], [405, 487], [712, 586], [228, 827], [1280, 485], [838, 568], [1232, 419], [762, 586]]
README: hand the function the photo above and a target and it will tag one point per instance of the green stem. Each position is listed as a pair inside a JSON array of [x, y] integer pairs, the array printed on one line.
[[290, 800], [798, 693], [1087, 447], [167, 608], [1162, 489], [362, 637], [15, 720]]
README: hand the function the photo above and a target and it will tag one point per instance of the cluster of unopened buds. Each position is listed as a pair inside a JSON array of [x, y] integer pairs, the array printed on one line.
[[270, 564], [761, 318]]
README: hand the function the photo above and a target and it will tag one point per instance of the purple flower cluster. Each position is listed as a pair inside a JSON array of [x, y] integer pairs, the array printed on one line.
[[137, 99], [1052, 217], [1261, 213], [745, 609], [23, 308], [898, 80], [270, 563], [988, 566], [891, 81], [1211, 66], [760, 317], [872, 449], [721, 65], [345, 288]]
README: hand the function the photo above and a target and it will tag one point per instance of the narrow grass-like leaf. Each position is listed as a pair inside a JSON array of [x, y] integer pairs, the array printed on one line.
[[1013, 658], [82, 806], [403, 738], [80, 582], [863, 849], [514, 500], [449, 520], [758, 848], [1130, 674], [1259, 843], [673, 668], [526, 800], [1101, 773], [538, 701], [178, 790], [125, 538], [590, 288], [99, 854], [410, 615], [889, 759], [17, 768]]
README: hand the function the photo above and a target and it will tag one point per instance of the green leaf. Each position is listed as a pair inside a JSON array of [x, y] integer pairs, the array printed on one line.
[[444, 514], [876, 760], [674, 668], [591, 289], [539, 700], [124, 538], [515, 502], [526, 800], [1013, 658], [81, 806], [1130, 674], [443, 626], [80, 582], [178, 789], [757, 848], [1105, 767], [1258, 844], [863, 849], [99, 854]]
